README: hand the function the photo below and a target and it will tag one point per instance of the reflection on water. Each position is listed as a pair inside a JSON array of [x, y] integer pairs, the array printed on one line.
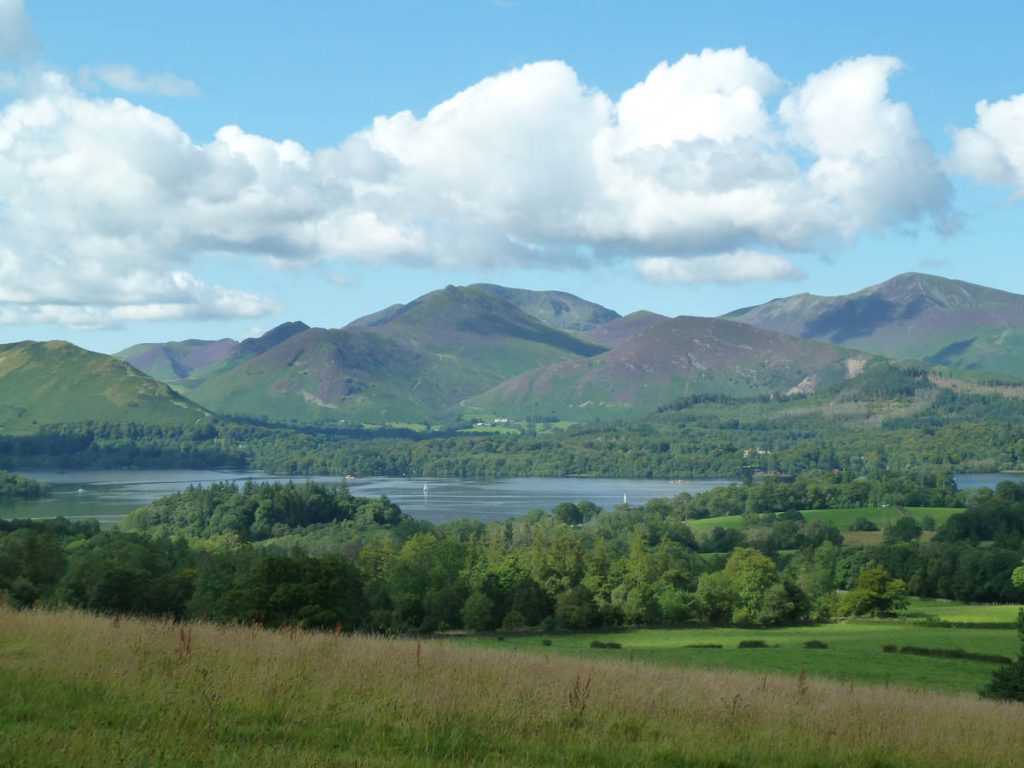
[[110, 495], [440, 500]]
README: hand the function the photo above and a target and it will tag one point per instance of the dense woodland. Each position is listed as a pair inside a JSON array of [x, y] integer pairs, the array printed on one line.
[[316, 556], [706, 436]]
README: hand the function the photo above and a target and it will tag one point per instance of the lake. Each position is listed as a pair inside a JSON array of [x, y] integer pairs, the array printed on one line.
[[108, 495], [986, 480]]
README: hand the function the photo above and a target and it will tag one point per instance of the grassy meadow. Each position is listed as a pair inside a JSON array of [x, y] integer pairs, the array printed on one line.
[[854, 653], [92, 691], [840, 518], [960, 613]]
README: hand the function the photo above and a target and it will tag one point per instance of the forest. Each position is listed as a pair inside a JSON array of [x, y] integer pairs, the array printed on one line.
[[695, 437], [316, 556]]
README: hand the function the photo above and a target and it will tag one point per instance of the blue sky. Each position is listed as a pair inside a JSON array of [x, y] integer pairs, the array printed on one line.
[[783, 147]]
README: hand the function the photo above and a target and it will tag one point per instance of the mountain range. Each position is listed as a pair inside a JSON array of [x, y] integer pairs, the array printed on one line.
[[406, 363], [928, 318], [487, 349], [671, 358]]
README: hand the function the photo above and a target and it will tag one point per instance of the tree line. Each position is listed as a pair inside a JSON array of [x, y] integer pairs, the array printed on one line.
[[849, 429]]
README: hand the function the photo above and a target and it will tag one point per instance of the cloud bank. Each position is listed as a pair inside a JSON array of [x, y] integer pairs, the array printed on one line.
[[723, 269], [691, 172]]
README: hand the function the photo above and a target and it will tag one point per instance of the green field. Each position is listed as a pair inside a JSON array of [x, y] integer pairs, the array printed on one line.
[[854, 652], [91, 691], [960, 613], [840, 518]]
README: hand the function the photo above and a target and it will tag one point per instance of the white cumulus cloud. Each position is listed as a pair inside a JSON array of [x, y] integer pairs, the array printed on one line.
[[872, 168], [103, 202], [722, 268], [993, 150]]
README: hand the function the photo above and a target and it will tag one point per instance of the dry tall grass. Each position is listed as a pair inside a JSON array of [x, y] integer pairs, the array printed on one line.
[[79, 690]]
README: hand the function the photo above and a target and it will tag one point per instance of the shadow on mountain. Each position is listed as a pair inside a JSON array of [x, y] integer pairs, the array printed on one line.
[[948, 354], [855, 318]]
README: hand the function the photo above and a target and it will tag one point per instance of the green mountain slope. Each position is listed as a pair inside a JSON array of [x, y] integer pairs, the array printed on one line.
[[56, 382], [321, 375], [555, 308], [481, 332], [671, 359], [175, 360], [245, 350], [941, 321], [412, 364], [375, 318], [622, 329]]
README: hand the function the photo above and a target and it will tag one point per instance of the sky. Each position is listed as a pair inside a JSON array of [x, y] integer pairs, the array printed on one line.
[[173, 170]]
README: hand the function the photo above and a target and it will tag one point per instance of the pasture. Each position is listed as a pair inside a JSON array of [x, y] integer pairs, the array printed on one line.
[[854, 654], [94, 691], [842, 519]]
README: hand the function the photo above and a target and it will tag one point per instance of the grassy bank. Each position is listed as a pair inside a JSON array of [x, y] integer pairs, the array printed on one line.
[[88, 691]]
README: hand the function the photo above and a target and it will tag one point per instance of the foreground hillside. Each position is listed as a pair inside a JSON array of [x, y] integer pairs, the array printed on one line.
[[56, 382], [158, 693]]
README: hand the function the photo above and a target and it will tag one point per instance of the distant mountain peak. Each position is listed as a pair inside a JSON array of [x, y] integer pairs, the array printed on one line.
[[271, 338], [558, 309], [914, 314]]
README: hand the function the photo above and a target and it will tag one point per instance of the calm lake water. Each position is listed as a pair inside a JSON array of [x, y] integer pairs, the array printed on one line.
[[987, 480], [109, 495]]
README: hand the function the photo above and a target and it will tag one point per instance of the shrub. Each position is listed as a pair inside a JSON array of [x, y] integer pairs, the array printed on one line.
[[608, 645], [863, 524], [546, 641], [904, 529], [752, 644], [815, 644], [513, 620], [890, 648], [1007, 682], [704, 645], [876, 593]]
